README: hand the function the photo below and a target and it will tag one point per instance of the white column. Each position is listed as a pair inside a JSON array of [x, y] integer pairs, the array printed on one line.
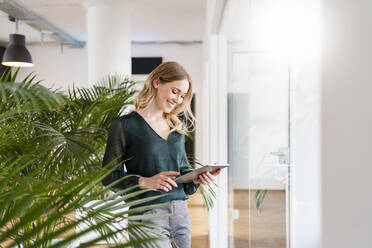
[[214, 123], [108, 37], [217, 137]]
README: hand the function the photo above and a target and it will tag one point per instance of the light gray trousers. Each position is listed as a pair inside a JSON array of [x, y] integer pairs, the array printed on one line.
[[176, 230]]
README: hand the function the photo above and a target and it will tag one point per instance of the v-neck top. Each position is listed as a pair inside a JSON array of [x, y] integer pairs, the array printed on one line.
[[146, 153], [140, 116]]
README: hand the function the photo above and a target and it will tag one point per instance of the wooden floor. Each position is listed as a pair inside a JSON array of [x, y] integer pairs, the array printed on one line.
[[253, 229], [199, 221], [265, 229]]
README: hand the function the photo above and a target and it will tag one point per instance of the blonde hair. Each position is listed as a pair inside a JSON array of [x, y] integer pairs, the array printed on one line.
[[168, 72]]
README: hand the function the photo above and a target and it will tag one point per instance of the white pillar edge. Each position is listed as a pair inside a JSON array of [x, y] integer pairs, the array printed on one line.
[[218, 218]]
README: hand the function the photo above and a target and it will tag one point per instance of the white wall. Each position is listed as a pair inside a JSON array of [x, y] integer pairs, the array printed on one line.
[[347, 124], [57, 69], [61, 69]]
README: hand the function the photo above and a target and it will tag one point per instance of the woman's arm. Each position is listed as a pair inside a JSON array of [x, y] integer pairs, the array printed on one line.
[[115, 151], [163, 180]]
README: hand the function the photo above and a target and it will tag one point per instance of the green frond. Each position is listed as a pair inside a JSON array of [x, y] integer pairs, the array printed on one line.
[[6, 75]]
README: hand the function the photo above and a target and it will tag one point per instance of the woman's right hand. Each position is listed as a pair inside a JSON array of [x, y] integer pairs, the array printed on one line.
[[162, 180]]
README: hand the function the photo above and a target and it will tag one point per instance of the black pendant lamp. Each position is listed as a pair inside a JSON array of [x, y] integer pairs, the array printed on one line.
[[16, 53]]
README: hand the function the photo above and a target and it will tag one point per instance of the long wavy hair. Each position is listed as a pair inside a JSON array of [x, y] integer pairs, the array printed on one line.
[[168, 72]]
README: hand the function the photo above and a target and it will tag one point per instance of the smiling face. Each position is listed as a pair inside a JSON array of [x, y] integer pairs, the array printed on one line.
[[170, 95]]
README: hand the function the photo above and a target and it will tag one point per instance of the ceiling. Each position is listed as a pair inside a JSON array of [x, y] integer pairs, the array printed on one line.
[[152, 20]]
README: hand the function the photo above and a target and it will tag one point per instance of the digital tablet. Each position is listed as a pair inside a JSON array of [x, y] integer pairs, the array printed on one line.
[[189, 177]]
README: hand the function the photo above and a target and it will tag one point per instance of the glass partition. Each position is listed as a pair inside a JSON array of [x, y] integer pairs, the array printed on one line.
[[258, 148]]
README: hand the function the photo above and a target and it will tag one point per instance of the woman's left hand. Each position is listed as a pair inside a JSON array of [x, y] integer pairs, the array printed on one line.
[[207, 177]]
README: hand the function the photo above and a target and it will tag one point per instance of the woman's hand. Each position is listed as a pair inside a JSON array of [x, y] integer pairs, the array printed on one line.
[[162, 180], [207, 177]]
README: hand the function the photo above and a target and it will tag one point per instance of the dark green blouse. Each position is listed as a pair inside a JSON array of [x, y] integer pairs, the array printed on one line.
[[131, 139]]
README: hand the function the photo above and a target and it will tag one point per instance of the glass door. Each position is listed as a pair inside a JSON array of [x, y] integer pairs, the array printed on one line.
[[258, 148]]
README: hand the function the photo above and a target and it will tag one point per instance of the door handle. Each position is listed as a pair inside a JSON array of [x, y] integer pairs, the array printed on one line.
[[283, 155]]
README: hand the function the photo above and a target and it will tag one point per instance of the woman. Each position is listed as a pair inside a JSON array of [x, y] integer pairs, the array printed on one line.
[[151, 138]]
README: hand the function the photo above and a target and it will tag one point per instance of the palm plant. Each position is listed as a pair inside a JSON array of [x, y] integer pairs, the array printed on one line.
[[50, 150]]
